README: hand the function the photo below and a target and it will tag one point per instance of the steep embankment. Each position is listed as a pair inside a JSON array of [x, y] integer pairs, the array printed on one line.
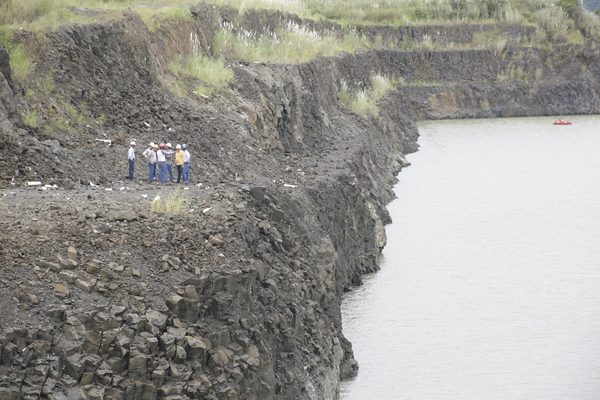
[[239, 296]]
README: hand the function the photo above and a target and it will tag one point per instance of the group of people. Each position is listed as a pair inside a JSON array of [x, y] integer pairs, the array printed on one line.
[[161, 158]]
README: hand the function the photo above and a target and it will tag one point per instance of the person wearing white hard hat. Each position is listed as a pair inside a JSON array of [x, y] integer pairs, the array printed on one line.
[[162, 164], [131, 159], [179, 162], [170, 159], [186, 163], [150, 156]]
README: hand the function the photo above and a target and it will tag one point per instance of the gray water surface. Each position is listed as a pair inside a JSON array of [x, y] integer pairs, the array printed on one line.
[[490, 284]]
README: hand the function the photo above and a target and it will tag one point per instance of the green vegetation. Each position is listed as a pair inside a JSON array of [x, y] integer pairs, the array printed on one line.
[[155, 18], [101, 120], [46, 84], [20, 62], [36, 14], [212, 73], [364, 101], [173, 203], [30, 118], [403, 12], [74, 114], [42, 14], [294, 44]]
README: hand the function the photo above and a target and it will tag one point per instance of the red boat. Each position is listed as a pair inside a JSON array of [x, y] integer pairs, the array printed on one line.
[[562, 122]]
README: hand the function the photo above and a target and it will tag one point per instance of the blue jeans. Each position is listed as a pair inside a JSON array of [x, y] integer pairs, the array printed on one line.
[[131, 168], [151, 172], [162, 170], [170, 169], [186, 172]]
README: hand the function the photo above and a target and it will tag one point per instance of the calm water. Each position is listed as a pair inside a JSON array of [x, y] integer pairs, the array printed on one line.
[[490, 287]]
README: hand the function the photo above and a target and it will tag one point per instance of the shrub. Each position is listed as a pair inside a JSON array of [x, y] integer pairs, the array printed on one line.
[[364, 102], [380, 85], [554, 21]]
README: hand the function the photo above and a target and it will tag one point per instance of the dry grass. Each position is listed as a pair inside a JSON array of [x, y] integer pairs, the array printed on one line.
[[364, 101], [288, 45], [172, 203]]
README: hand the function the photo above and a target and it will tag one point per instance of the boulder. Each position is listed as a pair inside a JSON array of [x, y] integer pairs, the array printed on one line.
[[61, 290], [72, 253]]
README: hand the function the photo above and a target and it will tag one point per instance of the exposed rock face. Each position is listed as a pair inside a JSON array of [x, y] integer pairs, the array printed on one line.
[[239, 296]]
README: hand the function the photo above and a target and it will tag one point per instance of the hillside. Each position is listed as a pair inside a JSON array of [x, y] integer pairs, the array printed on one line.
[[297, 124]]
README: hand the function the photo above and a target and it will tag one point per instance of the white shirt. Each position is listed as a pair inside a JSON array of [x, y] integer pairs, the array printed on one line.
[[131, 153], [186, 156], [160, 155], [150, 156]]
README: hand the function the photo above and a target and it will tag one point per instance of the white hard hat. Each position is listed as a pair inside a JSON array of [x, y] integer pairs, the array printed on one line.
[[178, 147], [132, 143], [169, 145], [151, 144]]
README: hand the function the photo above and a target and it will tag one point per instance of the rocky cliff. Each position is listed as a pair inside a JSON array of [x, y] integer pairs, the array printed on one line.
[[239, 296]]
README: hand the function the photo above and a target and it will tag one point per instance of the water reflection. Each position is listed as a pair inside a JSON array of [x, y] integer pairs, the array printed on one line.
[[490, 287]]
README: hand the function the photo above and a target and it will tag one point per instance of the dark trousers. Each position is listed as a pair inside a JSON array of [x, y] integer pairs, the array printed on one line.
[[131, 169], [179, 172]]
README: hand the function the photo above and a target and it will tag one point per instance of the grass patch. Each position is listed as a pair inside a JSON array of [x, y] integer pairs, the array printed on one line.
[[364, 101], [212, 72], [58, 124], [364, 104], [42, 14], [155, 18], [20, 59], [297, 7], [23, 11], [101, 120], [172, 203], [292, 44], [46, 84], [31, 119], [404, 12], [20, 62], [74, 113]]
